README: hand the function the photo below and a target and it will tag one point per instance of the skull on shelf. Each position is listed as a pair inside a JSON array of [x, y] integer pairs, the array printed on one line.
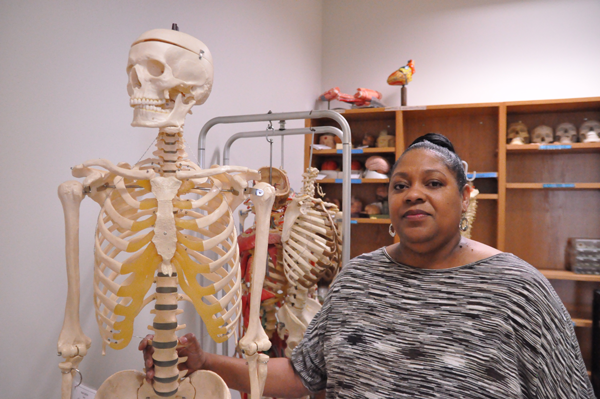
[[566, 133], [542, 135], [589, 131], [169, 72], [517, 133]]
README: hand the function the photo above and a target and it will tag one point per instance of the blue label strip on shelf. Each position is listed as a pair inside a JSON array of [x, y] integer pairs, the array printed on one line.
[[555, 147], [483, 175], [559, 185], [354, 222], [354, 151], [352, 181]]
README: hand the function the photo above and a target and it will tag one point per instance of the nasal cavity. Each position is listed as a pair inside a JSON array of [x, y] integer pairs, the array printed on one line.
[[133, 78]]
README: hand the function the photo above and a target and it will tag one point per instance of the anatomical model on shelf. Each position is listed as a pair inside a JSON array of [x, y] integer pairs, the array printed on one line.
[[565, 133], [401, 77], [312, 248], [542, 135], [362, 98], [377, 167], [589, 131], [517, 133], [164, 221]]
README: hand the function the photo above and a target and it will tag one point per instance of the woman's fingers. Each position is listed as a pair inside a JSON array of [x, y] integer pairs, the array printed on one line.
[[147, 348], [190, 347]]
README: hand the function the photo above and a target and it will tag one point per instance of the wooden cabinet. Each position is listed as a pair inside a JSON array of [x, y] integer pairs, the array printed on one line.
[[532, 198]]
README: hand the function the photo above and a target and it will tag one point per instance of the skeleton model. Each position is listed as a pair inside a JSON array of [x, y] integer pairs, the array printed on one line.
[[311, 251], [164, 221], [517, 133], [566, 133], [589, 131], [542, 135]]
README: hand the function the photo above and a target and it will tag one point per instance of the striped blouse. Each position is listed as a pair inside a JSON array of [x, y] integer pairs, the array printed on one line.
[[494, 328]]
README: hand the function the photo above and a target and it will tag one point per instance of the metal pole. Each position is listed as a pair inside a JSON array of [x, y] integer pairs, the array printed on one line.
[[287, 132]]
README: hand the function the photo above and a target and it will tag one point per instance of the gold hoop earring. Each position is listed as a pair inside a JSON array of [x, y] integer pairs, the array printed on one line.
[[391, 230], [464, 223]]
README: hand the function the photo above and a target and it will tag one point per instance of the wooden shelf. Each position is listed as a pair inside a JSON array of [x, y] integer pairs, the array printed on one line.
[[371, 221], [569, 275], [487, 197], [553, 148], [554, 186], [585, 323], [533, 197]]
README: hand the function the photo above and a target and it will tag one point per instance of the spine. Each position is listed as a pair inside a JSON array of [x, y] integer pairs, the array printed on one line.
[[166, 377]]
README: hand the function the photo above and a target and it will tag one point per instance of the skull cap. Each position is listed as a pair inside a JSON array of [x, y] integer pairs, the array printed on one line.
[[175, 38]]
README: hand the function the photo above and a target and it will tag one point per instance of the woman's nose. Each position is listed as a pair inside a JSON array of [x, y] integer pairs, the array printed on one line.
[[414, 193]]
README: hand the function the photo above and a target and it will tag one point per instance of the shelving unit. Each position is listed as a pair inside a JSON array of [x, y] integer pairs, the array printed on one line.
[[532, 199]]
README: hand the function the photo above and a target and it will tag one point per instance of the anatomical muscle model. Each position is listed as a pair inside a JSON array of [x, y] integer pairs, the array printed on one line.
[[165, 221]]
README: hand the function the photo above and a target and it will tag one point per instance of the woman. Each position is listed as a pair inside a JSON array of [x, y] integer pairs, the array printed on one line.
[[433, 316]]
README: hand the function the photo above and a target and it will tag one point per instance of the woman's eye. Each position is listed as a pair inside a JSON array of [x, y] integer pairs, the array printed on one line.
[[400, 186], [435, 183]]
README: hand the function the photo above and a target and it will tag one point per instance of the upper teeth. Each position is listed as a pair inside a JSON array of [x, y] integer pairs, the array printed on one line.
[[149, 101]]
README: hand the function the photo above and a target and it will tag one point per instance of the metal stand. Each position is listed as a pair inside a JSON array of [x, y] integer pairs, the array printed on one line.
[[322, 114]]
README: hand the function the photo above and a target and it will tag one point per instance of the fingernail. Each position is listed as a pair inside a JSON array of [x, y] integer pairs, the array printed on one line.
[[183, 340], [148, 363]]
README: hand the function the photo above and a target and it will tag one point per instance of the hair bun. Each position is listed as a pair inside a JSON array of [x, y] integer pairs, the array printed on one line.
[[435, 138]]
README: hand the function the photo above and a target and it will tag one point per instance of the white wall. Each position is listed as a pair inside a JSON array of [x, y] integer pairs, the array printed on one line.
[[64, 101], [62, 79], [465, 51]]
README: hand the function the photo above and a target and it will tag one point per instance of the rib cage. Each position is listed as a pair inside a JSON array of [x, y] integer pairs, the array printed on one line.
[[311, 241], [126, 260]]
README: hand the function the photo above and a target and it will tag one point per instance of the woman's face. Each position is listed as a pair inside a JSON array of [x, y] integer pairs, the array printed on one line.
[[425, 201]]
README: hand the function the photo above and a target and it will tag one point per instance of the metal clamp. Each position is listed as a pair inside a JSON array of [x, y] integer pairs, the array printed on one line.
[[78, 372], [256, 191]]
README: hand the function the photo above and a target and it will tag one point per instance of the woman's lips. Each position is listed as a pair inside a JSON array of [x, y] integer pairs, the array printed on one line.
[[415, 215]]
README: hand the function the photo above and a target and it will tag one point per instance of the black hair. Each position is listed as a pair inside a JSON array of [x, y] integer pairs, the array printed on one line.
[[443, 147]]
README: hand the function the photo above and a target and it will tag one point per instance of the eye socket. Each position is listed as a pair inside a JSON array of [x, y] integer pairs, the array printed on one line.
[[155, 68]]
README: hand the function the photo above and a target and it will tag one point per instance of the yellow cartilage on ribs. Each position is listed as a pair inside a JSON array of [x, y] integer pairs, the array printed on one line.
[[148, 203], [136, 245], [185, 187], [143, 268], [191, 267], [144, 224], [196, 245], [196, 292], [145, 184], [182, 204]]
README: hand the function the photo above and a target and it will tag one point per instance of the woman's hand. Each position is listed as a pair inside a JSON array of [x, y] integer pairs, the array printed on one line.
[[146, 346], [188, 346]]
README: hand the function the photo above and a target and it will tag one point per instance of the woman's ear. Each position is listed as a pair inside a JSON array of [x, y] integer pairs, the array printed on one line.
[[466, 196]]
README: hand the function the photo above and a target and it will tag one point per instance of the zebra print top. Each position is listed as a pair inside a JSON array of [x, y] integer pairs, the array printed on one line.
[[494, 328]]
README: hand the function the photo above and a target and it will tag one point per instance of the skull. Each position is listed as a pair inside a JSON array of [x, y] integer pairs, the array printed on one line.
[[169, 72], [517, 133], [566, 133], [542, 134], [589, 131]]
